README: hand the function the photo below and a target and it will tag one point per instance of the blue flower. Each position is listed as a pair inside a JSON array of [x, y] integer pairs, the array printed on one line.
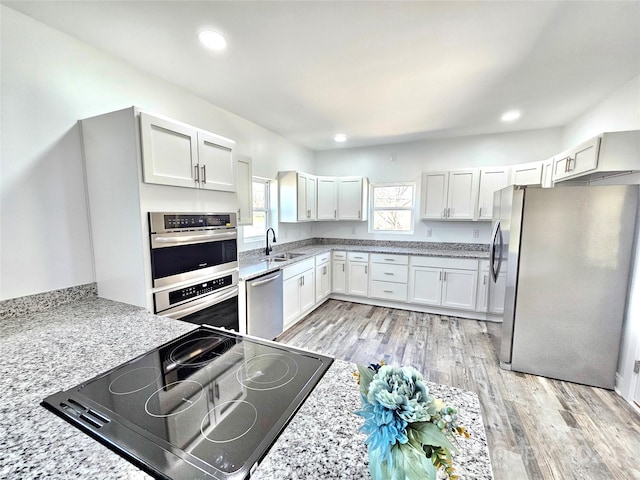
[[383, 427]]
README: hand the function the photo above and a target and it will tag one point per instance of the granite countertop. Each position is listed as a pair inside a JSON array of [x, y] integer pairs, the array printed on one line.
[[55, 350], [254, 266]]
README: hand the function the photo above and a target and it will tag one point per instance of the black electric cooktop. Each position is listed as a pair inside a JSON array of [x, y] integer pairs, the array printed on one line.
[[207, 405]]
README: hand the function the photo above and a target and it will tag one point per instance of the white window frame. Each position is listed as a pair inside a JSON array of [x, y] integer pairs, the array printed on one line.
[[373, 209], [267, 186]]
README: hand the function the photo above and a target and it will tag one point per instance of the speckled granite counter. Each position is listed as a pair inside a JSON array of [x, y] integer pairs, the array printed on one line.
[[254, 266], [49, 351]]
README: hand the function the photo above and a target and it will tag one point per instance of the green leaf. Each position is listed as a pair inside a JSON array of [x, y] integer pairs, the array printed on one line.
[[429, 434], [366, 375], [416, 465]]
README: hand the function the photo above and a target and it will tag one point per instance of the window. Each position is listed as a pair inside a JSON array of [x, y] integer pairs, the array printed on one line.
[[260, 210], [392, 208]]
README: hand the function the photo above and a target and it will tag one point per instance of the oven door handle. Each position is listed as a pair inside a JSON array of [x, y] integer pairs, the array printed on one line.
[[206, 237], [200, 304]]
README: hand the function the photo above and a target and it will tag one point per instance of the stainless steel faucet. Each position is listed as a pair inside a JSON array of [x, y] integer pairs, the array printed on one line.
[[268, 248]]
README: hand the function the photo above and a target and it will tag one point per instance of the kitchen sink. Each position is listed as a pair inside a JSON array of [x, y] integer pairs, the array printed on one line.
[[283, 257]]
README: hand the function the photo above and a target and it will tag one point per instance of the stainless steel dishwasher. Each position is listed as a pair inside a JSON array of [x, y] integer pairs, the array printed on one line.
[[264, 306]]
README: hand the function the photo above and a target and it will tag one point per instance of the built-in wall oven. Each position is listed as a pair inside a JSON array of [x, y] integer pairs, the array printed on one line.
[[194, 267]]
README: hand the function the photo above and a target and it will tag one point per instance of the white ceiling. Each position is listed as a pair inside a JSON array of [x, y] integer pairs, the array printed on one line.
[[379, 71]]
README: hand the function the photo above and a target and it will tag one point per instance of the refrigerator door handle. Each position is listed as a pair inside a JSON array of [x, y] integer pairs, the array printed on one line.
[[496, 263]]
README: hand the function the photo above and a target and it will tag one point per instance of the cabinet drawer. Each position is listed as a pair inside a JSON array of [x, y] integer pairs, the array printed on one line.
[[297, 268], [388, 290], [389, 273], [322, 258], [391, 259], [339, 255], [358, 257], [445, 262]]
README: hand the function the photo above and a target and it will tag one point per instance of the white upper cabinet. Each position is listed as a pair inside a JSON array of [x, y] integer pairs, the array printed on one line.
[[527, 174], [180, 155], [296, 197], [577, 160], [216, 163], [327, 198], [245, 189], [352, 198], [491, 180], [451, 195], [547, 173]]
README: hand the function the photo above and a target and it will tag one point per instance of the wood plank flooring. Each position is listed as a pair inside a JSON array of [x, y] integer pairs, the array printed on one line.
[[537, 428]]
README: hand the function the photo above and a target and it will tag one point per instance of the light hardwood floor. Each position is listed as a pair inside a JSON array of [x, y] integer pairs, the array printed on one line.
[[537, 428]]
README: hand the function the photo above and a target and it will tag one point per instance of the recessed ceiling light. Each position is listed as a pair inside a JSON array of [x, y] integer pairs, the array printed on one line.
[[340, 137], [212, 40], [510, 116]]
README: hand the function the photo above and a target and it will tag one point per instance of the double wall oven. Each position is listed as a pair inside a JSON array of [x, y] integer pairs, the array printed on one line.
[[194, 267]]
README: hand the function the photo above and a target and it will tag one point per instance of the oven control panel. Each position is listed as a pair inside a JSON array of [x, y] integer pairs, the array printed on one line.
[[163, 222], [198, 289]]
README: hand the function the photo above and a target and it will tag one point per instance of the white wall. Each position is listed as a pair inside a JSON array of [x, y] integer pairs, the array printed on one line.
[[619, 111], [49, 81], [406, 162]]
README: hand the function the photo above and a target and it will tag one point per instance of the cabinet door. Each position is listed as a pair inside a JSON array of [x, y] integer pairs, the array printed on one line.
[[527, 174], [547, 173], [358, 278], [339, 276], [245, 190], [462, 196], [482, 297], [491, 180], [291, 298], [307, 290], [434, 195], [306, 197], [350, 199], [327, 198], [459, 288], [323, 281], [495, 303], [169, 152], [216, 163], [425, 285], [576, 161]]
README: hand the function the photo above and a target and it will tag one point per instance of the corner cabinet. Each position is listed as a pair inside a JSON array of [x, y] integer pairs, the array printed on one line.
[[180, 155], [297, 197], [449, 195], [245, 189]]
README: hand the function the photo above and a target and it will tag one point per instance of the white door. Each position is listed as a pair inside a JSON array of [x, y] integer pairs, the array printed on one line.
[[491, 180], [350, 199], [425, 285], [459, 288], [291, 299], [169, 152], [307, 291], [217, 164], [434, 194], [323, 281], [462, 195], [527, 174], [339, 276], [358, 278], [482, 298], [327, 198], [311, 197], [245, 190]]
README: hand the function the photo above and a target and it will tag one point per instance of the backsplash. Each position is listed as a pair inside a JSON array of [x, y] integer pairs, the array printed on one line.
[[281, 247], [44, 301]]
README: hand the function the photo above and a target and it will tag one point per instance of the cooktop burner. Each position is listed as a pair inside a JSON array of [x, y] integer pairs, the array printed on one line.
[[208, 404]]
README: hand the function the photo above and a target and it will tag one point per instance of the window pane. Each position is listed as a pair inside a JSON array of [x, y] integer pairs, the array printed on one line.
[[400, 196], [259, 226], [394, 220], [259, 195]]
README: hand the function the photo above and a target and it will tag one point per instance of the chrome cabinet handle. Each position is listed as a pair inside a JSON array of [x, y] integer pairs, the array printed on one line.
[[388, 291], [388, 273], [343, 267], [480, 212], [197, 173], [204, 173], [445, 276], [440, 276], [335, 214], [389, 260], [239, 216], [366, 269]]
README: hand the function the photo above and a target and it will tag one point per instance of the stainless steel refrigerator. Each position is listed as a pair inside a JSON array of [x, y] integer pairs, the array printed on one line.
[[562, 257]]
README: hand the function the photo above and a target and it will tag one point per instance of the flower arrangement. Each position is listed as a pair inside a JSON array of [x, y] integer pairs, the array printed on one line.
[[409, 431]]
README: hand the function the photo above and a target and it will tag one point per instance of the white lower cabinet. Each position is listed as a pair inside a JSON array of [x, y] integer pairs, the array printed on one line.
[[358, 274], [445, 282], [339, 272], [323, 277], [490, 300], [389, 276], [299, 292]]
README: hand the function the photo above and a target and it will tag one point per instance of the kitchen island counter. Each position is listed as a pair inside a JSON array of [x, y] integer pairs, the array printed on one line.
[[55, 350]]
